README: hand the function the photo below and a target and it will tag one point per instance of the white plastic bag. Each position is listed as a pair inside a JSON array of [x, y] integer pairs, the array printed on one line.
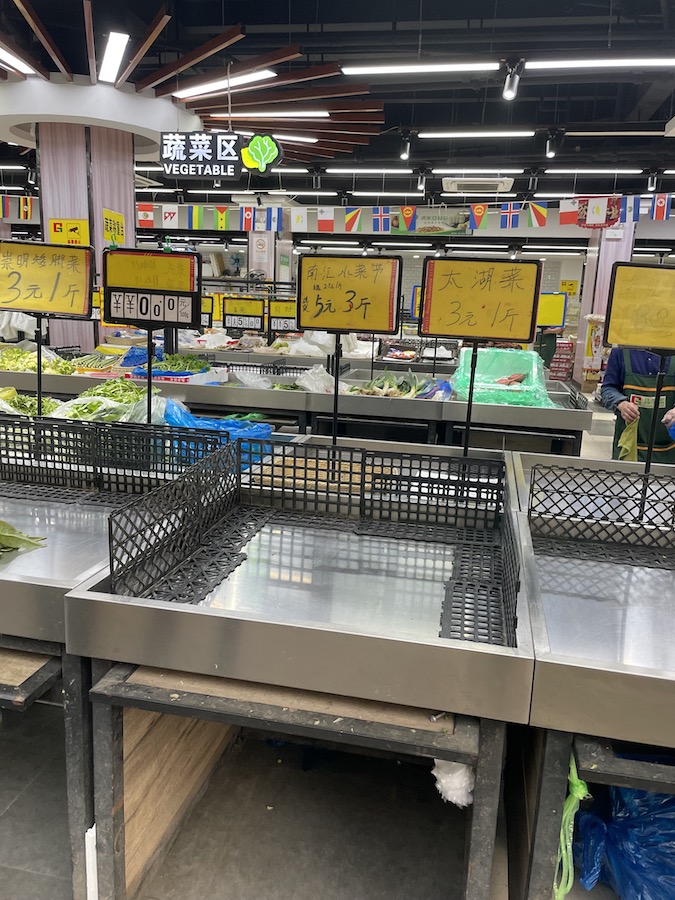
[[252, 379], [91, 409], [454, 782]]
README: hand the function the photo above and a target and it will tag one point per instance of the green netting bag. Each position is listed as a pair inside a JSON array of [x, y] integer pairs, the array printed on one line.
[[494, 368]]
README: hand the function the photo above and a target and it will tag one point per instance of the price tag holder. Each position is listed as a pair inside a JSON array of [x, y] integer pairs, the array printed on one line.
[[641, 308], [207, 312], [244, 312], [152, 289], [339, 294], [480, 300], [552, 309], [283, 315], [46, 280]]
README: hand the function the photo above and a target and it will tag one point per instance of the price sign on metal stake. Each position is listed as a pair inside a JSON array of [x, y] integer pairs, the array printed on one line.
[[244, 312], [641, 308], [152, 289], [207, 312], [283, 315], [46, 280]]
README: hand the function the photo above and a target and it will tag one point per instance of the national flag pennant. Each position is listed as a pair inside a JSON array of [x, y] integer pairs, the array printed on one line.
[[325, 219], [195, 217], [246, 218], [299, 219], [381, 219], [25, 207], [220, 218], [409, 216], [145, 213], [353, 218], [660, 209], [569, 211], [170, 215], [6, 207], [274, 218], [630, 209], [510, 216], [538, 213], [478, 215], [260, 219]]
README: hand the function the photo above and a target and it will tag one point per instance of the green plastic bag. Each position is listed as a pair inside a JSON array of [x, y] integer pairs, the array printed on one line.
[[495, 365]]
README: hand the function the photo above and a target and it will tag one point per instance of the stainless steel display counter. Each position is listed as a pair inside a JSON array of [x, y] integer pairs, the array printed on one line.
[[603, 619]]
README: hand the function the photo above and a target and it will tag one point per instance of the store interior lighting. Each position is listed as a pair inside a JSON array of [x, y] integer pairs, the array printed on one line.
[[113, 56], [420, 68], [8, 59], [651, 181], [478, 134], [512, 80], [362, 170], [275, 114], [462, 172], [223, 84], [405, 149]]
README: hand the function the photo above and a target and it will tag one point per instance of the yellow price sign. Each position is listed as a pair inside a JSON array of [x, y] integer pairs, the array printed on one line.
[[151, 270], [244, 312], [217, 307], [570, 286], [207, 312], [641, 309], [480, 300], [283, 309], [46, 280], [113, 227], [339, 294], [69, 231], [551, 310]]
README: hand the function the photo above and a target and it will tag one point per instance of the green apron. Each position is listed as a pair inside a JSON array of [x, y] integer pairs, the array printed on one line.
[[641, 390], [545, 346]]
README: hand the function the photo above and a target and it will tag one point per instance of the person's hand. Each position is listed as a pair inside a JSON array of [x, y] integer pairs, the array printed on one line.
[[669, 418], [628, 411]]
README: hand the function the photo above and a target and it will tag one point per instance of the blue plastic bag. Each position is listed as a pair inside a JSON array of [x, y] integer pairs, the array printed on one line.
[[633, 852], [138, 356]]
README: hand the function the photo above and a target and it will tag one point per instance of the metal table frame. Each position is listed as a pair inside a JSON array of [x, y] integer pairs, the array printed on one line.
[[479, 743]]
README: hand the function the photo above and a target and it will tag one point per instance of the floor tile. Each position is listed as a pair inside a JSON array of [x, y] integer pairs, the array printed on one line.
[[17, 885]]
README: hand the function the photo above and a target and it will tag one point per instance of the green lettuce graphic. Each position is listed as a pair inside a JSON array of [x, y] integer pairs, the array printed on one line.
[[263, 150]]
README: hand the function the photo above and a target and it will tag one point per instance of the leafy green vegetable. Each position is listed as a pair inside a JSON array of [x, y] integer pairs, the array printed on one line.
[[16, 360], [121, 389], [263, 150], [28, 406], [13, 539], [174, 362]]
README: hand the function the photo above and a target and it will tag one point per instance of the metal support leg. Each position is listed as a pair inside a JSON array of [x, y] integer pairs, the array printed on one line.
[[79, 762], [109, 800], [482, 829]]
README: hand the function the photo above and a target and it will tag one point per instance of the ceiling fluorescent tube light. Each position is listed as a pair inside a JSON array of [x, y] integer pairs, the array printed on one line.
[[289, 171], [15, 63], [275, 114], [496, 194], [386, 193], [461, 172], [593, 171], [148, 169], [629, 63], [357, 171], [452, 135], [336, 243], [421, 68], [113, 56], [12, 168], [223, 84], [592, 134], [291, 138]]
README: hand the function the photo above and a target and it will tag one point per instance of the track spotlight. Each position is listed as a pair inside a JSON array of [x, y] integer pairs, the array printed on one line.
[[316, 180], [421, 181], [651, 181], [551, 144], [405, 148], [512, 80]]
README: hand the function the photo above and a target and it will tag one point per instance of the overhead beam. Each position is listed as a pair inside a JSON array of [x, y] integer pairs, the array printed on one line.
[[8, 44], [311, 73], [275, 57], [315, 129], [326, 92], [89, 34], [155, 28], [651, 99], [44, 37], [220, 42]]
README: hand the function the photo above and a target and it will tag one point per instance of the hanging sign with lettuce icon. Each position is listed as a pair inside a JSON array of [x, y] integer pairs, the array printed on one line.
[[261, 154]]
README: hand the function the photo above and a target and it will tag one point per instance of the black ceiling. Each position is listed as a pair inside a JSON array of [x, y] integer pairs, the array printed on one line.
[[383, 31]]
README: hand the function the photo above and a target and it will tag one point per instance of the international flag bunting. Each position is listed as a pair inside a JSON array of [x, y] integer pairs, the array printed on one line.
[[630, 209], [195, 217], [260, 219], [325, 218], [408, 215], [274, 218], [145, 213], [6, 207], [660, 209], [170, 215], [299, 219], [569, 211], [246, 218], [538, 213], [353, 218], [510, 216], [25, 207], [220, 218], [478, 215], [381, 219]]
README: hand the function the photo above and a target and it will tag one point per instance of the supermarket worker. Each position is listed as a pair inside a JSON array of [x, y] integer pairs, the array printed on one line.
[[629, 389]]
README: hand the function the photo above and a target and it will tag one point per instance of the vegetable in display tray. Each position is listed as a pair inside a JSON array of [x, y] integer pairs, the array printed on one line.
[[13, 539], [16, 360]]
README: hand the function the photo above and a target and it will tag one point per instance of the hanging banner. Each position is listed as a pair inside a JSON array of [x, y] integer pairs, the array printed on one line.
[[342, 294], [480, 300], [74, 232], [641, 310], [113, 227], [152, 289], [42, 279]]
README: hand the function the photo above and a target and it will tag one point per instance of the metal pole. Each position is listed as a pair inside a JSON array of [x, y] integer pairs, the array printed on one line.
[[150, 352], [469, 405], [652, 431], [336, 363], [38, 341]]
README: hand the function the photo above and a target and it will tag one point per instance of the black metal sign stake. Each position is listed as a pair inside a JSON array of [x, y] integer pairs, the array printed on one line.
[[433, 368], [38, 341], [336, 386], [469, 405], [150, 354], [372, 356], [652, 431]]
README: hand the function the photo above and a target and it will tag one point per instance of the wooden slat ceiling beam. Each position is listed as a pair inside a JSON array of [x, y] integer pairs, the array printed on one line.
[[215, 45], [298, 76], [275, 57], [340, 133], [44, 37], [155, 28], [326, 92], [8, 44], [89, 33]]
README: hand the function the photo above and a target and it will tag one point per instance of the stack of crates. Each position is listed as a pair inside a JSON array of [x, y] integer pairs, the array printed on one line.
[[562, 363]]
